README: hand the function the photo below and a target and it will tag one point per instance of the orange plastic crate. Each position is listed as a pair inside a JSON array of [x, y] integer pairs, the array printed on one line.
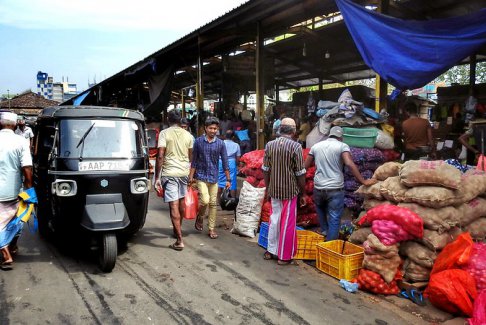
[[339, 259], [306, 244]]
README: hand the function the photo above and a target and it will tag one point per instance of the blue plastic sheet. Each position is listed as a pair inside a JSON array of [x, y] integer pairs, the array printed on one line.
[[409, 53]]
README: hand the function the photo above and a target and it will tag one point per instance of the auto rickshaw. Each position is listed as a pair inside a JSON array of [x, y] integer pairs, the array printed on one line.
[[91, 175]]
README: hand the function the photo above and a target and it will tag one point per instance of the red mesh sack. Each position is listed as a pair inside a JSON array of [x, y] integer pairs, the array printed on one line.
[[477, 266], [266, 211], [479, 312], [305, 153], [309, 187], [373, 282], [258, 173], [310, 173], [408, 220], [253, 159], [252, 180], [453, 291], [388, 232], [455, 254], [308, 220], [261, 183]]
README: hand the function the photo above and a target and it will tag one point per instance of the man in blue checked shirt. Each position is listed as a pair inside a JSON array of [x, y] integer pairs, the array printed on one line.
[[207, 151]]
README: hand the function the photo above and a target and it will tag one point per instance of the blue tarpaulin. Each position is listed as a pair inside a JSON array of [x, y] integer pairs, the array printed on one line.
[[78, 100], [410, 53]]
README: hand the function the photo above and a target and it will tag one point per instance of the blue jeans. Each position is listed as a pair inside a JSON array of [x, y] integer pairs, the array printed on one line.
[[329, 208]]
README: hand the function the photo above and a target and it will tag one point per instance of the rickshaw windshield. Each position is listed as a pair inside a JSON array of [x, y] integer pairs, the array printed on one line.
[[106, 139]]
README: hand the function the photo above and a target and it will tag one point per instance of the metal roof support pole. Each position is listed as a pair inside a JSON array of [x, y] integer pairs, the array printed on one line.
[[199, 83], [183, 103], [472, 72], [277, 93], [320, 93], [259, 89], [381, 86]]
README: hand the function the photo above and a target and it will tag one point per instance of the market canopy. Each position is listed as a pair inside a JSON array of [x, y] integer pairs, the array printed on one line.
[[410, 53]]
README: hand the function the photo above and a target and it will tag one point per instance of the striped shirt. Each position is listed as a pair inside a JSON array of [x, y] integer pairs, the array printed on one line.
[[205, 158], [284, 161]]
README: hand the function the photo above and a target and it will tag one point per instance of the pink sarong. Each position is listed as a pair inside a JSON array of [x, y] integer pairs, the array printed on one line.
[[282, 237]]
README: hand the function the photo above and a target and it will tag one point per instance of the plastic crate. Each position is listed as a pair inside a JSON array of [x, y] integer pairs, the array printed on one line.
[[361, 138], [263, 236], [306, 244], [339, 259]]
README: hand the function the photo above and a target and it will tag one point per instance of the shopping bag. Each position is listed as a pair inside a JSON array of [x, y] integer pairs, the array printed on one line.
[[481, 163], [191, 201]]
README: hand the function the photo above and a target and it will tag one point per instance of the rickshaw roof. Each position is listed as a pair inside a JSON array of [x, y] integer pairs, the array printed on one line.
[[90, 112]]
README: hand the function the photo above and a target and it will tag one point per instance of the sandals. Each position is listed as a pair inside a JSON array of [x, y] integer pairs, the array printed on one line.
[[414, 295], [199, 223], [267, 256], [213, 235], [176, 247], [6, 265], [282, 262]]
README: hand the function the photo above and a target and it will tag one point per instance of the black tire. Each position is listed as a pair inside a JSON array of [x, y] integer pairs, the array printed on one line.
[[108, 252], [43, 221]]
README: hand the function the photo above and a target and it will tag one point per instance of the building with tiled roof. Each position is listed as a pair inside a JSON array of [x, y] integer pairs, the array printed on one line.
[[27, 103]]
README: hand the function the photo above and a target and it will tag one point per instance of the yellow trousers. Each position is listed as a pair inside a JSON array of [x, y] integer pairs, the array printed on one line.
[[208, 195]]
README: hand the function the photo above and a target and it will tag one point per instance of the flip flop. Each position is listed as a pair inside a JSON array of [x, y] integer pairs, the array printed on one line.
[[282, 262], [6, 265], [416, 297], [176, 248], [267, 256], [213, 235], [199, 223]]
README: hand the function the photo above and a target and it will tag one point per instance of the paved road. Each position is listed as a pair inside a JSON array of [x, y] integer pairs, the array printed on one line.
[[223, 281]]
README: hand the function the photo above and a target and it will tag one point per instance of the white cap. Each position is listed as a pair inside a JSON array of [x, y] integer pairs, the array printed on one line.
[[288, 121], [336, 131], [8, 116]]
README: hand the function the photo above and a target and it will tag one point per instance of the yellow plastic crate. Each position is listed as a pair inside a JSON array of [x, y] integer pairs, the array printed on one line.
[[339, 259], [306, 244]]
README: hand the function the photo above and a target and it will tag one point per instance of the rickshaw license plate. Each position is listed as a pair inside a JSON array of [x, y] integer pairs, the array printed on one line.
[[104, 165]]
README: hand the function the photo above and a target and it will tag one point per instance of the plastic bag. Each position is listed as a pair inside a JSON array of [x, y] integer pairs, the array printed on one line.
[[453, 291], [192, 202], [479, 312], [455, 254]]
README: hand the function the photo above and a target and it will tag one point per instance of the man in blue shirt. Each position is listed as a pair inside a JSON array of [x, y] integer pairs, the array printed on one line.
[[207, 151]]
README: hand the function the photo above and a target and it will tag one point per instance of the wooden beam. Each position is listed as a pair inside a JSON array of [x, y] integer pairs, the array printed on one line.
[[259, 89]]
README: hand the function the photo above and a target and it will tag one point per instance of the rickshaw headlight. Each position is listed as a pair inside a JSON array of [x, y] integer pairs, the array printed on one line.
[[63, 187], [139, 185]]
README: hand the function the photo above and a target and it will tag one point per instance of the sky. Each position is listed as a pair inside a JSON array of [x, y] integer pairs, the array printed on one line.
[[87, 40]]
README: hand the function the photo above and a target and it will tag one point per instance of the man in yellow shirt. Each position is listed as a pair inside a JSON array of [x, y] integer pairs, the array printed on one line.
[[172, 171]]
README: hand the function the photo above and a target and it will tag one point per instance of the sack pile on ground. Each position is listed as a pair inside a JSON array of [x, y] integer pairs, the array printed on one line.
[[252, 168], [367, 160], [447, 201], [455, 276], [390, 225]]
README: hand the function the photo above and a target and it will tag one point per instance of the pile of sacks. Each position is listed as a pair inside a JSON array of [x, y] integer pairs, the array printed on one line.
[[252, 168], [387, 227], [447, 201], [367, 160], [458, 279]]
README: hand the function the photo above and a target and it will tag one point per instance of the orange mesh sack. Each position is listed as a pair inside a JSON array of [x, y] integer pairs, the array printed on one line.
[[453, 291], [454, 255]]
